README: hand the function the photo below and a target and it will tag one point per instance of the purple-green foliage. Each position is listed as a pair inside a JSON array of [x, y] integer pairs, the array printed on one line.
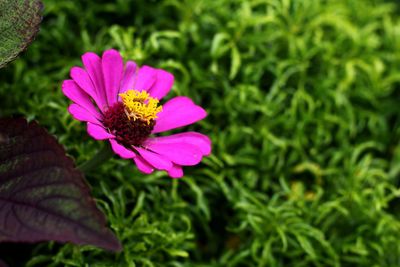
[[43, 197]]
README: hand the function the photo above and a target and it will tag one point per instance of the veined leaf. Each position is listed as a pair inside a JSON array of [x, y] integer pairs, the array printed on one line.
[[19, 23], [42, 196]]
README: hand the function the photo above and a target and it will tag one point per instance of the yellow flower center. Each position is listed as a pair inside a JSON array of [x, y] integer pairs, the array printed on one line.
[[140, 105]]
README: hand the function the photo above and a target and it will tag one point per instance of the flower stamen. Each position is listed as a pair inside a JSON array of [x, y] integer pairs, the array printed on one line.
[[140, 105]]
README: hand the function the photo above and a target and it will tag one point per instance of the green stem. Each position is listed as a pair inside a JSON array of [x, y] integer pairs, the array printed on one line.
[[101, 156]]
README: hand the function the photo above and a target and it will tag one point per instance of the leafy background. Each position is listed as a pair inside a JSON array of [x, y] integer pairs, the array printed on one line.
[[303, 113]]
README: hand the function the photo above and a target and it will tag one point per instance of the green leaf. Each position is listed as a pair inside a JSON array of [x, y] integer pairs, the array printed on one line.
[[235, 62], [306, 245], [19, 24]]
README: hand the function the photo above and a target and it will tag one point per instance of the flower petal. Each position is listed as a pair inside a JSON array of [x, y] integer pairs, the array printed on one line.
[[179, 153], [177, 112], [145, 78], [129, 77], [98, 132], [121, 151], [143, 165], [163, 84], [77, 95], [82, 79], [113, 67], [158, 161], [201, 141], [92, 63], [176, 171], [82, 114]]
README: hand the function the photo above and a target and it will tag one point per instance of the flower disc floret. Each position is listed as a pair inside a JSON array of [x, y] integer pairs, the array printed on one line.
[[140, 105], [128, 132]]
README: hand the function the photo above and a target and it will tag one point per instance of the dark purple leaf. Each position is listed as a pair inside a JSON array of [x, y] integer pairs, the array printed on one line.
[[42, 196], [19, 24]]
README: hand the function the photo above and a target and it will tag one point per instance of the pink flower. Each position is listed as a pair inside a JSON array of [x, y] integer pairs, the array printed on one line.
[[121, 104]]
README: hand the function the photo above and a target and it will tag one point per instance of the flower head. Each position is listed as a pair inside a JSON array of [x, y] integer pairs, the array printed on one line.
[[121, 103]]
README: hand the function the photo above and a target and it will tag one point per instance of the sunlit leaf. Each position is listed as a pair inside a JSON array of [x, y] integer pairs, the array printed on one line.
[[235, 63]]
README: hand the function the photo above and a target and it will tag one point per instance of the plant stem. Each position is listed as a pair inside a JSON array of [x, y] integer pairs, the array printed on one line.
[[99, 158]]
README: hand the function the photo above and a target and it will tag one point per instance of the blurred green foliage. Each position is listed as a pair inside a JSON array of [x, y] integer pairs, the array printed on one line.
[[302, 101]]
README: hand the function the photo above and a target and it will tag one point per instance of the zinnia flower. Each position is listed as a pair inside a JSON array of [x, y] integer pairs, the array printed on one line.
[[121, 104]]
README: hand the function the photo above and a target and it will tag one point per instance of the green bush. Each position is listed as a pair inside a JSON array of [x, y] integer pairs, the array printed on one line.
[[303, 114]]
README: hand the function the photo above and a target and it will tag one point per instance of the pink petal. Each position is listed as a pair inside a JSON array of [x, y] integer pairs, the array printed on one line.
[[143, 165], [77, 95], [158, 161], [177, 112], [179, 153], [92, 63], [201, 141], [82, 114], [176, 171], [163, 84], [83, 80], [121, 151], [113, 67], [145, 78], [129, 77], [98, 132]]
